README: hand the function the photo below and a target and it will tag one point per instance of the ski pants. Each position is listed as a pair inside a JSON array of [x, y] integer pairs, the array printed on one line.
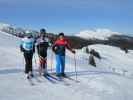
[[60, 64], [43, 64], [42, 53], [28, 62]]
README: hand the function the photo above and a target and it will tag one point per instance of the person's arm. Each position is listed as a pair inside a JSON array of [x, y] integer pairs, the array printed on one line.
[[34, 44], [33, 48], [37, 44], [21, 46], [54, 47], [49, 43], [69, 47]]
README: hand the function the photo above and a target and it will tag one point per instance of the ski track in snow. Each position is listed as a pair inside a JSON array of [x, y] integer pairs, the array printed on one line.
[[94, 83]]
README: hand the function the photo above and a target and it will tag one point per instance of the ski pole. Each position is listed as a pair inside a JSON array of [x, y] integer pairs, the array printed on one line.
[[23, 62], [51, 61], [35, 60], [75, 67]]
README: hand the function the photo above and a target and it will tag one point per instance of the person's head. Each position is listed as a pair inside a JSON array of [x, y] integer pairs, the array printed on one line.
[[28, 34], [42, 32], [61, 35]]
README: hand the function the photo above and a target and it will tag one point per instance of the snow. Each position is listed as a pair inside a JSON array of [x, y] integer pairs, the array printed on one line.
[[99, 33], [100, 83], [3, 26], [114, 57]]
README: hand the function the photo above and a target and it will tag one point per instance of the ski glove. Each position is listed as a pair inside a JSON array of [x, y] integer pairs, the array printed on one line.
[[21, 48], [73, 51]]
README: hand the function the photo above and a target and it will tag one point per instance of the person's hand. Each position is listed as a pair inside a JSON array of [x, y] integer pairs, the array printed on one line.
[[73, 51], [55, 48]]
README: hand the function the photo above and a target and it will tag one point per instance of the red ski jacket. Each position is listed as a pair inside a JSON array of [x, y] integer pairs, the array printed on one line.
[[60, 45]]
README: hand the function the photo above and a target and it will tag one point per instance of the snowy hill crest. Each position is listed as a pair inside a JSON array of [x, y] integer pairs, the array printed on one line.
[[101, 34]]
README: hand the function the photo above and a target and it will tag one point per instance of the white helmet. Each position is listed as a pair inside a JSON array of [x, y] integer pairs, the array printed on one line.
[[28, 33]]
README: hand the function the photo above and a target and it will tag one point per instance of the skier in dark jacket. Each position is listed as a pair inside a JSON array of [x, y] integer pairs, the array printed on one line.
[[28, 48], [59, 48], [42, 44]]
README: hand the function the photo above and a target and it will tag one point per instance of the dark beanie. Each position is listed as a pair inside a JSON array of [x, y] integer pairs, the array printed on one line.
[[61, 34]]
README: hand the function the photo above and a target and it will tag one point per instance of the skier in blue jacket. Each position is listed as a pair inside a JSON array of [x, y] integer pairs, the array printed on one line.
[[28, 48]]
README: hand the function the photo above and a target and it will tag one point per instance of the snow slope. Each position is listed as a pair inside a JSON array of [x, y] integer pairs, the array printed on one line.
[[112, 57], [93, 83], [101, 34]]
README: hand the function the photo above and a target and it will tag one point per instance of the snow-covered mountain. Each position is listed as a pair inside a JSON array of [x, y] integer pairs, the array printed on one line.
[[11, 29], [101, 34], [112, 79], [3, 26]]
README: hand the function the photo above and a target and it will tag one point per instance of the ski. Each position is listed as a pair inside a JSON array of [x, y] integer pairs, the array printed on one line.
[[69, 78], [60, 79], [49, 79], [55, 78], [31, 81], [37, 79], [66, 76]]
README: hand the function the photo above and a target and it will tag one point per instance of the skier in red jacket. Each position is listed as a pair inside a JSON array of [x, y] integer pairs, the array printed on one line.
[[59, 48]]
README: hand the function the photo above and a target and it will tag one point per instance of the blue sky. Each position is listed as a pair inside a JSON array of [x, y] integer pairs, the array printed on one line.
[[69, 16]]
